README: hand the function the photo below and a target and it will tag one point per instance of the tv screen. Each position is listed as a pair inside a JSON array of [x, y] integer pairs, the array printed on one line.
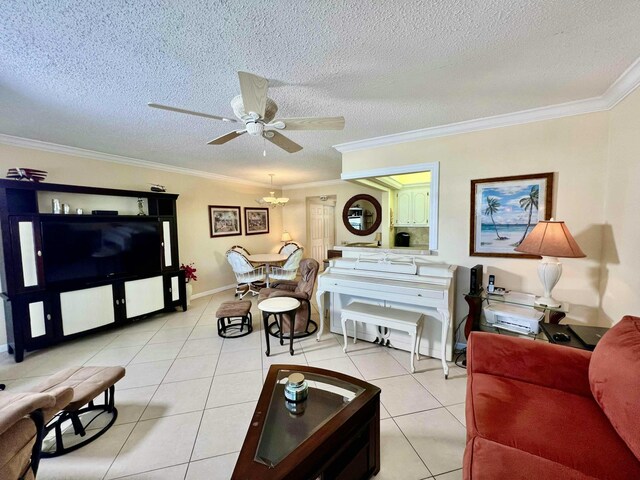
[[98, 249]]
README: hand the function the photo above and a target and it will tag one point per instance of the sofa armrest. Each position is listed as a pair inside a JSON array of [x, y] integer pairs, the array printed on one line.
[[554, 366]]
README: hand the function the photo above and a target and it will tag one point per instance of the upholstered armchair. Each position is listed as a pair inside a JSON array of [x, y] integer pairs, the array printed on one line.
[[22, 420], [301, 290]]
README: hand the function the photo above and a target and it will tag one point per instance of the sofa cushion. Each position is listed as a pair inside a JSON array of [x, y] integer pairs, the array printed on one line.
[[487, 460], [614, 375], [559, 426]]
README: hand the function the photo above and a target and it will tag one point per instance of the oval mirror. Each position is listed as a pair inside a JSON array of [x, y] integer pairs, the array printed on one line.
[[362, 214]]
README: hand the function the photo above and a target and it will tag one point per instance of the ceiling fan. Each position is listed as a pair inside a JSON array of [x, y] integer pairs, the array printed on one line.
[[257, 112]]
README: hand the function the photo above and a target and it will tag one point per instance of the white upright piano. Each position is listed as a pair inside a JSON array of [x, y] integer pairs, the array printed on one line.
[[406, 282]]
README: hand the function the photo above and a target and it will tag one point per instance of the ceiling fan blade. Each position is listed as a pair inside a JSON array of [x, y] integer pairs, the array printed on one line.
[[190, 112], [282, 141], [254, 92], [312, 123], [226, 137]]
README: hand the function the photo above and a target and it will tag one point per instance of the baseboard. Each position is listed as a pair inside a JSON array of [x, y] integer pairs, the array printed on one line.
[[215, 290], [4, 348]]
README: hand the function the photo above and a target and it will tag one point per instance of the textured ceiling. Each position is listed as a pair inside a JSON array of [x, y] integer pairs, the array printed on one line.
[[80, 73]]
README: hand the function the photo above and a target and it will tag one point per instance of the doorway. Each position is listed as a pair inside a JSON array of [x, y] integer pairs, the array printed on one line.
[[321, 220]]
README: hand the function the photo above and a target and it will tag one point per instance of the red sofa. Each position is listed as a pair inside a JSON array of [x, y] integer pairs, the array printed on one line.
[[540, 411]]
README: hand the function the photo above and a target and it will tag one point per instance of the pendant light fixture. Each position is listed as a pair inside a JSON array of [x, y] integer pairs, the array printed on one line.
[[272, 200]]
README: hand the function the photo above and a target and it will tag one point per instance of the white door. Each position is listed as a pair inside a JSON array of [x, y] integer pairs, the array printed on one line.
[[316, 231], [321, 230], [329, 222]]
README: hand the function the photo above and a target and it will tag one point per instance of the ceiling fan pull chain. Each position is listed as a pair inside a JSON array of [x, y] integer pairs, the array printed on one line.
[[264, 150]]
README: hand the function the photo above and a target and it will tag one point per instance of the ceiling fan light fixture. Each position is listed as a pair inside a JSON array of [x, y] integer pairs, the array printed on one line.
[[255, 129]]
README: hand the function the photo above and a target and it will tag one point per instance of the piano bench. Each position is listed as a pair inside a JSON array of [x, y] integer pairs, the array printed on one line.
[[394, 318]]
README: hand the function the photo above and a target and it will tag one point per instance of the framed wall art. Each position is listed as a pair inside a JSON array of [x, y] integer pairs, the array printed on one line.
[[504, 210], [256, 220], [224, 221]]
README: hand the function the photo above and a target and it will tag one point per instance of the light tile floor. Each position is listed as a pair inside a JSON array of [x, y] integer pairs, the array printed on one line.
[[188, 396]]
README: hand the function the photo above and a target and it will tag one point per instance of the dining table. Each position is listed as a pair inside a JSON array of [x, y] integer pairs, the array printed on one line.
[[267, 259]]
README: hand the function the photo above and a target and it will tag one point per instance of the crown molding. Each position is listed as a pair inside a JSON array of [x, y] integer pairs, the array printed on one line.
[[322, 183], [108, 157], [623, 86]]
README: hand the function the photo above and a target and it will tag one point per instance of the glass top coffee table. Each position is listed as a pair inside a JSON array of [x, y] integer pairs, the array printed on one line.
[[333, 433]]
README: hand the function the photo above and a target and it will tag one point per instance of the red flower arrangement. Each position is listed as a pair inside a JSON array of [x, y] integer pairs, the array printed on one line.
[[189, 272]]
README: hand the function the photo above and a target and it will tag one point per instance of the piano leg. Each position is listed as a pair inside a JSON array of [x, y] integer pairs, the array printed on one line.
[[320, 301], [445, 330]]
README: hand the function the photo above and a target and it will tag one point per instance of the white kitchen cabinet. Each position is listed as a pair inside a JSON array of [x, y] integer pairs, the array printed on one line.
[[412, 207]]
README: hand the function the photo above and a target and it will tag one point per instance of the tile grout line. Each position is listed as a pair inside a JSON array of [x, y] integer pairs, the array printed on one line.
[[150, 399]]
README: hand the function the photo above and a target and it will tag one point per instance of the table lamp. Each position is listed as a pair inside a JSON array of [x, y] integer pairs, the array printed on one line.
[[285, 237], [550, 239]]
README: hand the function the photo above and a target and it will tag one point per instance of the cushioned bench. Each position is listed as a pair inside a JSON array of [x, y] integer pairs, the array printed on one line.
[[403, 320], [87, 383], [233, 317]]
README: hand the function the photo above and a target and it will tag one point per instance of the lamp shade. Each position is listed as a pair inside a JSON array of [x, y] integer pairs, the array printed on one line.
[[285, 237], [550, 239]]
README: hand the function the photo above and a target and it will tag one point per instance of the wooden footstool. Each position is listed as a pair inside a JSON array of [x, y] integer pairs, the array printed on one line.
[[74, 426], [233, 317]]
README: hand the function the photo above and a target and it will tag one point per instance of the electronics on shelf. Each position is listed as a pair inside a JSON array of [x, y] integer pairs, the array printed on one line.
[[513, 318]]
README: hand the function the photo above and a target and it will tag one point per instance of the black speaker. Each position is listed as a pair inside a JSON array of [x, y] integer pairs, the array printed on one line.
[[104, 212], [475, 283]]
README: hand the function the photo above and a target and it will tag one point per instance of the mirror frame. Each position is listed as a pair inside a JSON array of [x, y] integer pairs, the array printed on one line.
[[376, 205]]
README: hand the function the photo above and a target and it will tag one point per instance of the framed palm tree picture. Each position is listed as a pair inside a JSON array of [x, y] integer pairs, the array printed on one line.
[[504, 210]]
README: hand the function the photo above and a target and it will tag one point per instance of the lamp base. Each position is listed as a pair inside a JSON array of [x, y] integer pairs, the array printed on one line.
[[549, 271], [547, 302]]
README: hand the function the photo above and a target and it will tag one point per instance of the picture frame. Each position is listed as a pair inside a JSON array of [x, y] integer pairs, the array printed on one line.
[[256, 220], [224, 221], [504, 210]]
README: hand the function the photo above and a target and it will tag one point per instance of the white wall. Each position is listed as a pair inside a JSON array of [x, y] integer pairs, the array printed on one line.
[[620, 273], [196, 193], [575, 148]]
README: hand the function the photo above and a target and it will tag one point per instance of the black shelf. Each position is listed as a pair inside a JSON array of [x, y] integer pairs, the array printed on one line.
[[22, 286]]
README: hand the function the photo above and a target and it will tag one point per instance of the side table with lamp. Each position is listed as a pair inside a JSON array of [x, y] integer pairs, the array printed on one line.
[[550, 239]]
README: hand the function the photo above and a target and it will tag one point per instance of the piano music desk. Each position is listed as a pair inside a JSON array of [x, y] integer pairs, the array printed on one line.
[[404, 320]]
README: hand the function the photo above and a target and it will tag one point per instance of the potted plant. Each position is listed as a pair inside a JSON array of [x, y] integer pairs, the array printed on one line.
[[189, 275]]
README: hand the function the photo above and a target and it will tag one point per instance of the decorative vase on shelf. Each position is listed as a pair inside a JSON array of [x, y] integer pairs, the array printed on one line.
[[189, 289]]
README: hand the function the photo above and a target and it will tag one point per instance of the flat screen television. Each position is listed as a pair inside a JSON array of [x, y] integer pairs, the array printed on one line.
[[81, 249]]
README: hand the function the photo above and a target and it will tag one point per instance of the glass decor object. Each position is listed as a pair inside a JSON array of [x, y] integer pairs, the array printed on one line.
[[141, 207]]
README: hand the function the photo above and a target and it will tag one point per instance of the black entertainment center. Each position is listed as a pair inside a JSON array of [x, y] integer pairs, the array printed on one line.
[[68, 274]]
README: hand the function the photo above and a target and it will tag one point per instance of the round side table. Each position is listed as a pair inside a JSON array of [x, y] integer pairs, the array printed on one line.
[[277, 307]]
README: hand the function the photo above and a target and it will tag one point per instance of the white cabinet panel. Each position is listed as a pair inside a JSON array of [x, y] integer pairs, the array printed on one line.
[[37, 319], [166, 241], [28, 254], [86, 309], [144, 296], [175, 288], [421, 208]]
